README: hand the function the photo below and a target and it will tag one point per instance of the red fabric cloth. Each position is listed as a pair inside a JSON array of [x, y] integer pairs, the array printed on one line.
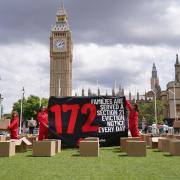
[[13, 127], [42, 117], [133, 120]]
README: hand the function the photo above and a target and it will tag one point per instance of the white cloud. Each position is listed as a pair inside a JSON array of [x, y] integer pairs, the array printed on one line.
[[28, 65]]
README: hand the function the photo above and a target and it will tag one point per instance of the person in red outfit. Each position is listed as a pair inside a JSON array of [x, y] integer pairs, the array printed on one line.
[[13, 127], [133, 119], [42, 117]]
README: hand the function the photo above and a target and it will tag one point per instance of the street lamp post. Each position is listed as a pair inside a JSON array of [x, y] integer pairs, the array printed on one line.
[[174, 94], [155, 107], [22, 97]]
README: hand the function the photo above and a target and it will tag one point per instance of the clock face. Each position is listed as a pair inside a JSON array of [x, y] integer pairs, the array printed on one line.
[[60, 44]]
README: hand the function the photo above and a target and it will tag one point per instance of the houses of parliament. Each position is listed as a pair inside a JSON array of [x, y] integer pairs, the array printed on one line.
[[61, 57]]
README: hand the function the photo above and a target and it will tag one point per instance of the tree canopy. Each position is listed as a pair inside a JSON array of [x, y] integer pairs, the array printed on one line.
[[31, 106], [147, 110]]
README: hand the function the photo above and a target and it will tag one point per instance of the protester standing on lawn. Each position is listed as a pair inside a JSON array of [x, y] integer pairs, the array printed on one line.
[[42, 117], [13, 127], [133, 119]]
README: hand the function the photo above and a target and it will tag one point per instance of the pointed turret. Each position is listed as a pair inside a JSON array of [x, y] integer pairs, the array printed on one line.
[[177, 69], [61, 10], [177, 60]]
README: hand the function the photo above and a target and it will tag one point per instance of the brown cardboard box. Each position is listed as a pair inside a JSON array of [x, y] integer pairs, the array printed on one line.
[[7, 149], [89, 148], [174, 147], [31, 139], [163, 144], [176, 124], [123, 144], [2, 138], [177, 136], [58, 144], [146, 137], [21, 144], [136, 148], [170, 136], [92, 139], [154, 142], [44, 148], [4, 123]]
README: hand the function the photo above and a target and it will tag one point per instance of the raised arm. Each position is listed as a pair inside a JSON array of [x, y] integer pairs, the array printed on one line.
[[129, 106]]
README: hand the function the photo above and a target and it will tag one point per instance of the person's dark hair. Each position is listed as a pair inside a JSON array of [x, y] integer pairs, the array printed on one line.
[[136, 108], [41, 107], [14, 112]]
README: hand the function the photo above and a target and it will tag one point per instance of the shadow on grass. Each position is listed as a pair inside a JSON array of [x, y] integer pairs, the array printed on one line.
[[76, 155], [123, 155], [168, 155], [155, 150]]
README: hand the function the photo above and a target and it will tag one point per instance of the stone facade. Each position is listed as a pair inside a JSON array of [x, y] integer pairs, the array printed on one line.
[[61, 56], [170, 98]]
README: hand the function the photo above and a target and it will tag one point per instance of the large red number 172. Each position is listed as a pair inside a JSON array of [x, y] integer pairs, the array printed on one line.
[[86, 109]]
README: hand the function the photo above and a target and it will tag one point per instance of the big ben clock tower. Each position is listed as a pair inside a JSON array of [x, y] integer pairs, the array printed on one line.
[[61, 56]]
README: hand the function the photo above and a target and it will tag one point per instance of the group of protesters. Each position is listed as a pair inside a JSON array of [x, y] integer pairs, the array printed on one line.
[[42, 117]]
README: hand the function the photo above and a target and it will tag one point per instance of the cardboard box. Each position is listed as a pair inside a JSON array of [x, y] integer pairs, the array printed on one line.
[[123, 142], [176, 124], [174, 147], [31, 138], [177, 136], [57, 142], [92, 139], [44, 148], [136, 148], [21, 144], [2, 138], [146, 137], [170, 136], [163, 144], [4, 123], [89, 148], [7, 149], [154, 142]]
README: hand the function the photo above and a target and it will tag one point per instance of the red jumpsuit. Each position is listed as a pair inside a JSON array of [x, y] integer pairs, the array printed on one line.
[[133, 120], [14, 127], [42, 117]]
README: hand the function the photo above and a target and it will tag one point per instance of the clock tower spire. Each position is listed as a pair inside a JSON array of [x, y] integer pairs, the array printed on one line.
[[61, 55]]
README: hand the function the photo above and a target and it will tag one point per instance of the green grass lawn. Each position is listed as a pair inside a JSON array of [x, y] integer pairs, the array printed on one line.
[[111, 164]]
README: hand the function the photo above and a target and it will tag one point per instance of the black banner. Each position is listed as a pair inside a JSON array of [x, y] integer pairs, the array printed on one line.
[[74, 118]]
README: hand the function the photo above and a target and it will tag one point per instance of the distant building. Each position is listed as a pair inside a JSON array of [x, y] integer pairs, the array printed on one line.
[[170, 98]]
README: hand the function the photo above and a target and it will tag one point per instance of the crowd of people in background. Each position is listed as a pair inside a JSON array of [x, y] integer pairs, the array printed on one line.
[[42, 118]]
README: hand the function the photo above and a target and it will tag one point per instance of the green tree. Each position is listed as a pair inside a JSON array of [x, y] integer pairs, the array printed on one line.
[[146, 110], [30, 106]]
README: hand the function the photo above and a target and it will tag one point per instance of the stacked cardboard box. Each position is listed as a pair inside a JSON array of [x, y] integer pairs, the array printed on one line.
[[89, 148], [7, 149], [31, 138], [21, 144], [146, 137], [123, 142], [174, 147], [176, 124], [4, 123], [177, 136], [57, 144], [170, 136], [154, 142], [163, 144], [44, 148], [136, 148], [92, 138], [2, 138]]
